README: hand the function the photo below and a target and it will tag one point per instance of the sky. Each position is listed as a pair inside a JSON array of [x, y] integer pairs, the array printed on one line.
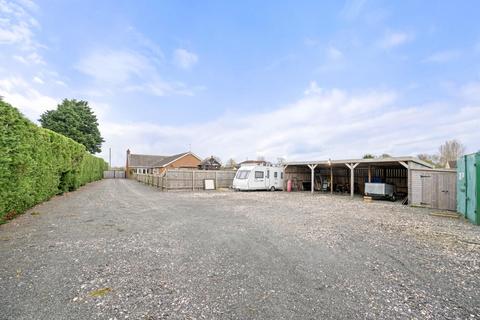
[[300, 80]]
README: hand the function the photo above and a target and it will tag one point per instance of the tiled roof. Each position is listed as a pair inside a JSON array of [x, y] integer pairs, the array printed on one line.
[[151, 161], [210, 160]]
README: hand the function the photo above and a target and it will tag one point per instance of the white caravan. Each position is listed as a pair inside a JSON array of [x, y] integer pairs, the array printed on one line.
[[253, 177]]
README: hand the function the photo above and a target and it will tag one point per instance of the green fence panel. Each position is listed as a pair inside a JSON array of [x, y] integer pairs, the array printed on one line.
[[468, 187]]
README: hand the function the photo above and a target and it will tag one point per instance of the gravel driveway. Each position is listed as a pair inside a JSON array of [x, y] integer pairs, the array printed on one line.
[[117, 249]]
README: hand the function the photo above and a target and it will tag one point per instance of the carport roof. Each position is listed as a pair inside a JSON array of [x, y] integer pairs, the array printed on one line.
[[377, 161]]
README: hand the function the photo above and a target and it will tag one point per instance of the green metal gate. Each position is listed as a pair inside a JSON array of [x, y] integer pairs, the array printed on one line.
[[468, 187]]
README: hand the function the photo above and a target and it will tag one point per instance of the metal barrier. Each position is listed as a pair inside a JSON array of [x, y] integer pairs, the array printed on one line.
[[114, 174]]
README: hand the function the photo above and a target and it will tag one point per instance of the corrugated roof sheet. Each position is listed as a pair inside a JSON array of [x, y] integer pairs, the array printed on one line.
[[375, 160]]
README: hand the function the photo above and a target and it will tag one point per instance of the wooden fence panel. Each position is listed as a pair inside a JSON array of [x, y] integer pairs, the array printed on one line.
[[187, 179]]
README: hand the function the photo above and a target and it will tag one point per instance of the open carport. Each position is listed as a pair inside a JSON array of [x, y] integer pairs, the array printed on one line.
[[349, 176]]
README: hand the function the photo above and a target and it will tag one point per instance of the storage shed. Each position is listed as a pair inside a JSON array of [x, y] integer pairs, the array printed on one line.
[[434, 188], [350, 175]]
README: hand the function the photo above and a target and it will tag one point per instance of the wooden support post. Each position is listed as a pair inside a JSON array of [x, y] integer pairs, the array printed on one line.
[[369, 173], [284, 181], [331, 179], [352, 167], [216, 180], [312, 167]]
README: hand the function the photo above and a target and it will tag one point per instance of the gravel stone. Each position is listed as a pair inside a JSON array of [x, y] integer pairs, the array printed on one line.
[[148, 254]]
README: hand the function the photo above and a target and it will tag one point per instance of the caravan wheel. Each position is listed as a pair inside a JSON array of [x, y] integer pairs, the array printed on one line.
[[272, 188]]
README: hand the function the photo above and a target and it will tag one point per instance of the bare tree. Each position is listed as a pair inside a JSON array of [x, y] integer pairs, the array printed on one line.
[[261, 158], [451, 150], [217, 159], [281, 161], [430, 158], [231, 163]]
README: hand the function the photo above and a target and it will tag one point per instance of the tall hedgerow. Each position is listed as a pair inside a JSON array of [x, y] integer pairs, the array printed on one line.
[[36, 163]]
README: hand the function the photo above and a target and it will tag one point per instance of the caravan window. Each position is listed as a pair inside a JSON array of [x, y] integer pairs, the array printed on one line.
[[258, 174], [242, 174], [275, 174], [281, 175]]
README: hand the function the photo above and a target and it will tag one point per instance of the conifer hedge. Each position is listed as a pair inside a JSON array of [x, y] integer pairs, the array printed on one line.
[[36, 163]]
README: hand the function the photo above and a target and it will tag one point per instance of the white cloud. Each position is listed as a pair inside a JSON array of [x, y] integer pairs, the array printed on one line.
[[443, 56], [184, 59], [471, 92], [313, 88], [334, 53], [352, 9], [153, 49], [160, 88], [30, 58], [17, 26], [22, 94], [38, 80], [113, 67], [127, 70], [395, 39], [322, 124]]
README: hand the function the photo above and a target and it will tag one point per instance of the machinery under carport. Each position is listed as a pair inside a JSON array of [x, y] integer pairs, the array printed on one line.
[[350, 176]]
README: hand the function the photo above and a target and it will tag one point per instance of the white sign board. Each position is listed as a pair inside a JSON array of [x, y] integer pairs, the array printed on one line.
[[209, 184]]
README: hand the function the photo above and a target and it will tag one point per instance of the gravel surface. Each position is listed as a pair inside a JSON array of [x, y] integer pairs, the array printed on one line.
[[117, 249]]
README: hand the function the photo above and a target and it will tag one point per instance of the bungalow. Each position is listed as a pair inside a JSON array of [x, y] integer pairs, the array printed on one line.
[[154, 164], [210, 163]]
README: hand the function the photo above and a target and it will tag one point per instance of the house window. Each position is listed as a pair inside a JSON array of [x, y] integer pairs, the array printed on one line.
[[258, 174]]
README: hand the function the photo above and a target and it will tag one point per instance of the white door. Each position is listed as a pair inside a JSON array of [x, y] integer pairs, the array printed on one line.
[[276, 179], [268, 178], [258, 179]]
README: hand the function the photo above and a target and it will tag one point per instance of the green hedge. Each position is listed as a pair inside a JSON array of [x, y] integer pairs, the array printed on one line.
[[36, 163]]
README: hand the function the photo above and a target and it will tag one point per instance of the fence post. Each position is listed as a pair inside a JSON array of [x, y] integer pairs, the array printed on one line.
[[193, 180]]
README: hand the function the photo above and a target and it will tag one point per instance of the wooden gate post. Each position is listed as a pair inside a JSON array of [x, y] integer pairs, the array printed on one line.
[[331, 179]]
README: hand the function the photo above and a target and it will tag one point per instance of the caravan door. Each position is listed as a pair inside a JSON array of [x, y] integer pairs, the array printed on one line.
[[277, 183], [268, 178], [257, 181]]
